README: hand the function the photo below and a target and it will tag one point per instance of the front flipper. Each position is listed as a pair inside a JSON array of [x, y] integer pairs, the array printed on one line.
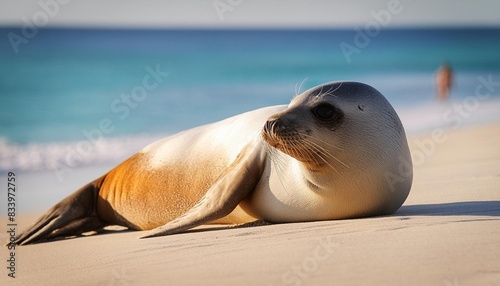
[[239, 179]]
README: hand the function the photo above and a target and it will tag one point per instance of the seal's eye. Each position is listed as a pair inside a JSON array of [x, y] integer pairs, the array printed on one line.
[[324, 112]]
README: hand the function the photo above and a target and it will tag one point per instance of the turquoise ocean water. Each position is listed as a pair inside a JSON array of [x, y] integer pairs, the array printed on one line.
[[64, 84]]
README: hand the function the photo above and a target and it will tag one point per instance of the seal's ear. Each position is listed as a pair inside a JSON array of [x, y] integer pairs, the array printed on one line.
[[239, 179]]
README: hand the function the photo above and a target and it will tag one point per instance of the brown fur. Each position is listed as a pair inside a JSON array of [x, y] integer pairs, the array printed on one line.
[[142, 198]]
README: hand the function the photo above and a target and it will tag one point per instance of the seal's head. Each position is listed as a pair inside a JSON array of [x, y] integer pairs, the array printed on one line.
[[349, 140], [305, 127]]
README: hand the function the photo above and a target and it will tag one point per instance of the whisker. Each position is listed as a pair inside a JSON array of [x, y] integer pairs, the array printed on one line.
[[340, 84], [326, 162], [321, 93], [323, 151], [278, 163], [320, 153], [322, 141], [297, 91], [330, 92]]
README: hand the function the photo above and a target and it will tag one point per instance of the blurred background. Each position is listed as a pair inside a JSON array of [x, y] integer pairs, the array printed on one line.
[[88, 83]]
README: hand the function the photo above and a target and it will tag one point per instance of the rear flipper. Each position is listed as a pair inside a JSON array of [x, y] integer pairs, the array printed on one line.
[[72, 216]]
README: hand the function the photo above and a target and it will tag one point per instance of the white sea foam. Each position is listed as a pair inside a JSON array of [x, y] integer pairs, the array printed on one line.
[[52, 155]]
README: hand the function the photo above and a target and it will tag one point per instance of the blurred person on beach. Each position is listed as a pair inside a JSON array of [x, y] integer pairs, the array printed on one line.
[[444, 80]]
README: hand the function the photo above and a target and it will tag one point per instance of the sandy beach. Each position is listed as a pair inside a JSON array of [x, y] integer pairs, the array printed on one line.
[[447, 233]]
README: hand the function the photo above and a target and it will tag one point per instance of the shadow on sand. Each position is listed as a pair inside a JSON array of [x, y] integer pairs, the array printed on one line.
[[478, 208]]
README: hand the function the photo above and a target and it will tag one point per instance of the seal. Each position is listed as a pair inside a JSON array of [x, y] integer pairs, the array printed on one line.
[[332, 153]]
